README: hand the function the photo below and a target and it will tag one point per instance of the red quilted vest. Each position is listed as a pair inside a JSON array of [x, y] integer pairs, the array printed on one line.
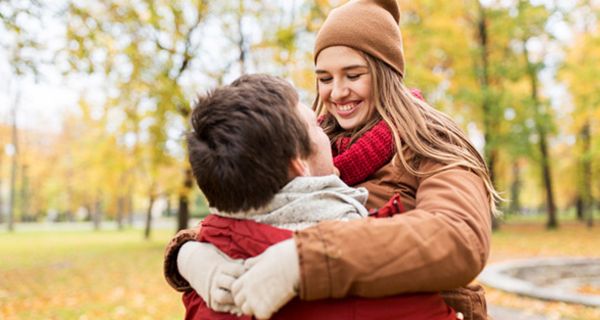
[[246, 238]]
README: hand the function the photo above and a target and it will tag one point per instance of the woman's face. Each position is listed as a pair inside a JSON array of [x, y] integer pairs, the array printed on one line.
[[344, 85]]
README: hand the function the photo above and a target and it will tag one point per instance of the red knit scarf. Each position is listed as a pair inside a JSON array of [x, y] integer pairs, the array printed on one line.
[[374, 149]]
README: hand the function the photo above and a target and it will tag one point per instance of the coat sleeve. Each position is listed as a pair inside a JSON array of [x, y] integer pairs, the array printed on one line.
[[442, 244], [170, 270]]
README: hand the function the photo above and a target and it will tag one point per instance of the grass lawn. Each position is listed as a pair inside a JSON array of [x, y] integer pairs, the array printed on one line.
[[117, 275], [85, 275]]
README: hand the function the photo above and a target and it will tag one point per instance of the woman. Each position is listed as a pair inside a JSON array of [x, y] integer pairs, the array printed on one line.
[[440, 241]]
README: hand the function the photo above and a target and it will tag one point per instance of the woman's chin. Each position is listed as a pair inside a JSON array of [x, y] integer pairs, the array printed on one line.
[[349, 124]]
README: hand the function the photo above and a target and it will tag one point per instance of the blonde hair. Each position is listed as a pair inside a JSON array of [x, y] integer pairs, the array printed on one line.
[[420, 131]]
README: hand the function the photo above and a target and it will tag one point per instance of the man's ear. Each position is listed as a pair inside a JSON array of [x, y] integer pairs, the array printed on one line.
[[298, 168]]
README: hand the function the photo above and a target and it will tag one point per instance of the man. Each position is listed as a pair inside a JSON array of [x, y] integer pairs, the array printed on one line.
[[266, 167]]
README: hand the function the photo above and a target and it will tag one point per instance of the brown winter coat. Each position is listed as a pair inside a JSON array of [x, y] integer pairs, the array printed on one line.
[[440, 243]]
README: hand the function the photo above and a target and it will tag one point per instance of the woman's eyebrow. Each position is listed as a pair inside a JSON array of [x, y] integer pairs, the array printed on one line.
[[354, 66]]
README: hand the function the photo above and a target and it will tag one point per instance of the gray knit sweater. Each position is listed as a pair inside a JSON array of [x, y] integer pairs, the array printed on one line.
[[305, 201]]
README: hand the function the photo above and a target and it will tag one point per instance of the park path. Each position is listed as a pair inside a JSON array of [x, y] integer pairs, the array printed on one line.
[[503, 313]]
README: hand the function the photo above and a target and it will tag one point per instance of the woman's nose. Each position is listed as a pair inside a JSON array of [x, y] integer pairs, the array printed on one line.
[[339, 91]]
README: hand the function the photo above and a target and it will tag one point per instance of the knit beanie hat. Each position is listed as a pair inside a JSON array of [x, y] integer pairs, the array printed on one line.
[[371, 26]]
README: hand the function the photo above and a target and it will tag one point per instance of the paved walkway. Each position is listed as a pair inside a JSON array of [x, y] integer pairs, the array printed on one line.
[[502, 313], [553, 279]]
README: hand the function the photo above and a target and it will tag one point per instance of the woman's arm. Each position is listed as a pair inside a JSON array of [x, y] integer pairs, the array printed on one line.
[[442, 244]]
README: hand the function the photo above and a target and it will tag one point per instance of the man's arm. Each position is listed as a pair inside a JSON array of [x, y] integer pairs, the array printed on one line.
[[170, 270], [192, 265]]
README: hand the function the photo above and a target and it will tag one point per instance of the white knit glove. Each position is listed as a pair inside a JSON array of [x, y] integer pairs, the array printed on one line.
[[211, 273], [270, 281]]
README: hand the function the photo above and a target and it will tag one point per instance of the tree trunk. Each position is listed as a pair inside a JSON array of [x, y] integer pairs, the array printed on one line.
[[24, 195], [586, 163], [1, 204], [130, 209], [183, 214], [120, 214], [14, 167], [597, 207], [490, 152], [580, 183], [241, 40], [70, 215], [169, 208], [97, 213], [579, 208], [552, 222], [515, 189], [120, 210], [71, 210], [550, 206], [148, 227]]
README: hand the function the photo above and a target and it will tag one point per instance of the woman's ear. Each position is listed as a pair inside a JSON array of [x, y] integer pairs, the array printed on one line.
[[298, 168]]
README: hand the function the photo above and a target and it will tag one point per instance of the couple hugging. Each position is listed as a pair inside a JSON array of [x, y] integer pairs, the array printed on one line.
[[289, 239]]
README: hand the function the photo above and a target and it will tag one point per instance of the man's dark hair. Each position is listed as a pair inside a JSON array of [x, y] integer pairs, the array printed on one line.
[[244, 136]]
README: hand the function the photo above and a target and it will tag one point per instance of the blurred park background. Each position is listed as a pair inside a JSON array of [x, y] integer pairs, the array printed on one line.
[[95, 95]]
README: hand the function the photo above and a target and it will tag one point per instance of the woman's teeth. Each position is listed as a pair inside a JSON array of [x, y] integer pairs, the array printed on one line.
[[346, 107]]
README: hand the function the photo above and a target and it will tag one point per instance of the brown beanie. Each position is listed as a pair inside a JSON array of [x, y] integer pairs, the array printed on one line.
[[371, 26]]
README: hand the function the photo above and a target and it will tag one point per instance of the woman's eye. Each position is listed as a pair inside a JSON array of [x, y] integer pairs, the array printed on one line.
[[325, 80], [353, 76]]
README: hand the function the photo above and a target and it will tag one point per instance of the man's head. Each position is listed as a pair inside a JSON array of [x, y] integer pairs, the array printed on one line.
[[249, 139]]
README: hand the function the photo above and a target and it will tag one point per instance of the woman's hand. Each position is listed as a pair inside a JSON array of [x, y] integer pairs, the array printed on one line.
[[270, 281]]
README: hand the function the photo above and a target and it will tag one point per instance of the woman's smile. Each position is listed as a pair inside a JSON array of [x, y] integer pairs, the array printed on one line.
[[347, 109]]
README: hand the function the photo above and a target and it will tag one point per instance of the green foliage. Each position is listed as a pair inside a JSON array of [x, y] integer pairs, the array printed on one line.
[[20, 22], [581, 78], [143, 49], [151, 58]]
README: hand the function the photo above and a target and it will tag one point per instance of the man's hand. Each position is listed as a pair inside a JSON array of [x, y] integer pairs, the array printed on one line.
[[270, 281], [211, 273]]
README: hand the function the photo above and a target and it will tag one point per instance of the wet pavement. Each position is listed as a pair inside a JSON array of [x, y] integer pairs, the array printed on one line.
[[503, 313], [553, 279]]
